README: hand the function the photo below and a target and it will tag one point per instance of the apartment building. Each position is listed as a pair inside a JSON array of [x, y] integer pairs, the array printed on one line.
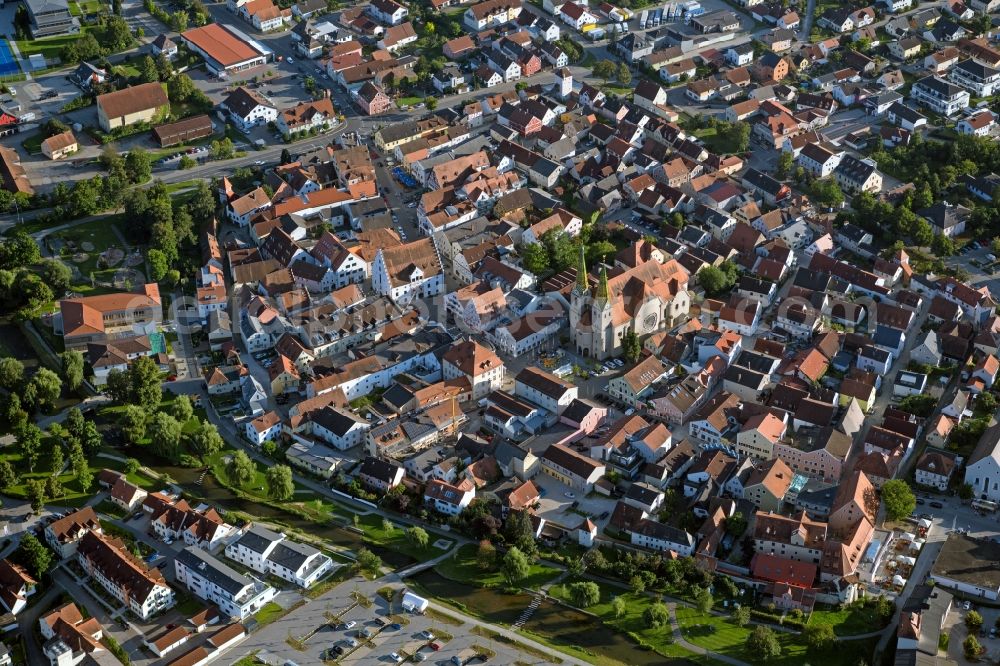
[[939, 96], [273, 553], [211, 580], [141, 589]]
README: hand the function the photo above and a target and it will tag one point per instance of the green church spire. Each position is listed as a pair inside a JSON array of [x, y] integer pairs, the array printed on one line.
[[581, 273], [603, 292]]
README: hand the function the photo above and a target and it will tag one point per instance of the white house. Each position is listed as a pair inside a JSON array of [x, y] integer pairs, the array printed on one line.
[[339, 428], [264, 428], [211, 580], [248, 109], [657, 536], [408, 271], [447, 498], [544, 389], [982, 471], [940, 96], [272, 553]]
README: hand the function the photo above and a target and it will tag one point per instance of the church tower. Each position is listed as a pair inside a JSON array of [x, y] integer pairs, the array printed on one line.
[[601, 315], [564, 80], [579, 302]]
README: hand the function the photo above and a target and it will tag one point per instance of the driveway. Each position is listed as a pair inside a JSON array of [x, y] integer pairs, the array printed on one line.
[[556, 507]]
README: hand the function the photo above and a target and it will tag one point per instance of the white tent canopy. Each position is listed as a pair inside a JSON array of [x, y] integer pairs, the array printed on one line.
[[906, 559], [907, 536], [925, 523], [898, 580], [414, 603]]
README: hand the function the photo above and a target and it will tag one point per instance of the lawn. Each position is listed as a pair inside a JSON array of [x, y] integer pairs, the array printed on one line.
[[720, 635], [849, 620], [269, 613], [408, 101], [395, 539], [50, 47], [33, 144], [463, 568], [631, 624], [715, 142]]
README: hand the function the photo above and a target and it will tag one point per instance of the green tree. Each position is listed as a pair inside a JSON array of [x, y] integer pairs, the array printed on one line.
[[241, 469], [369, 562], [43, 389], [741, 616], [280, 485], [55, 274], [736, 524], [84, 478], [519, 532], [138, 165], [56, 458], [133, 423], [418, 537], [703, 601], [604, 70], [637, 583], [584, 594], [54, 488], [72, 369], [165, 437], [966, 493], [8, 477], [973, 621], [971, 647], [36, 494], [762, 644], [205, 440], [631, 346], [827, 192], [619, 607], [898, 499], [515, 566], [29, 442], [148, 71], [11, 373], [884, 607], [624, 74], [145, 386], [18, 251], [922, 232], [535, 258], [132, 466], [34, 555], [786, 160], [656, 616], [942, 245], [714, 281], [182, 409], [819, 637], [158, 264], [431, 103]]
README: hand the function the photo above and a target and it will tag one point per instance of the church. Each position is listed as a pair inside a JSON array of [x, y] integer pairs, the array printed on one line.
[[643, 298]]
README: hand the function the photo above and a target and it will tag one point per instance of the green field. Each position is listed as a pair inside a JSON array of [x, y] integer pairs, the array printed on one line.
[[463, 568], [852, 620], [73, 496], [631, 623], [721, 635], [50, 47]]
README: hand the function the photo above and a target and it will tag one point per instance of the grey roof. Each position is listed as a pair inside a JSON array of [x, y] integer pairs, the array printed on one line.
[[376, 468], [45, 6], [291, 554], [258, 539], [213, 570]]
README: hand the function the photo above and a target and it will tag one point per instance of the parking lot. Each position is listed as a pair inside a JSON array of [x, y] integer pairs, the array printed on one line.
[[375, 633]]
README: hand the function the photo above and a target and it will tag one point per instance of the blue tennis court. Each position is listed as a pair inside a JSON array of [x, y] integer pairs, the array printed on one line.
[[8, 65]]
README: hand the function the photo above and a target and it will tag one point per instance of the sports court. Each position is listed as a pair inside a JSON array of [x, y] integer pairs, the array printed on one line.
[[8, 64]]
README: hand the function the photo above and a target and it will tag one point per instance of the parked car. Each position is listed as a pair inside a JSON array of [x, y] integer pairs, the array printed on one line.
[[937, 505], [350, 625]]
